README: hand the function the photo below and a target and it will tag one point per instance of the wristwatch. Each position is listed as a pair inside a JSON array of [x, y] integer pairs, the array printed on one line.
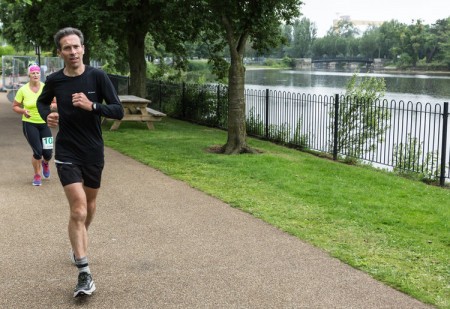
[[94, 106]]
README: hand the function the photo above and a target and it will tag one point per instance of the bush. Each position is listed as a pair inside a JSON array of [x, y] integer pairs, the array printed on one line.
[[361, 123], [409, 160], [198, 65]]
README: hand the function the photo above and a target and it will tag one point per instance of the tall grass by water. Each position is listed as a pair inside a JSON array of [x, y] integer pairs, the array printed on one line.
[[395, 229]]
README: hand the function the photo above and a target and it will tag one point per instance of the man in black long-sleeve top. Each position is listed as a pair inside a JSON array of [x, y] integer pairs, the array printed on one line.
[[80, 93]]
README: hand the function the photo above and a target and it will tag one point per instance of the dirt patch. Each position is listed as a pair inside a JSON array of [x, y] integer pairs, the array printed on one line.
[[219, 149]]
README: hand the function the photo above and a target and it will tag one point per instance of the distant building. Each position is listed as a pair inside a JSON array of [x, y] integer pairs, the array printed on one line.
[[361, 25]]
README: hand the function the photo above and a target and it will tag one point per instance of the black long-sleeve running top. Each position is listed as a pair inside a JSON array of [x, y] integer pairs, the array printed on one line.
[[79, 139]]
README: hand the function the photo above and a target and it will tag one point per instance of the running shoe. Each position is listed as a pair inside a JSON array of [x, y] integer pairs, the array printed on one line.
[[37, 180], [45, 169], [85, 285]]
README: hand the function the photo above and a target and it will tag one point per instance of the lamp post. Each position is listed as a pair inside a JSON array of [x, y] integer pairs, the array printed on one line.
[[37, 49]]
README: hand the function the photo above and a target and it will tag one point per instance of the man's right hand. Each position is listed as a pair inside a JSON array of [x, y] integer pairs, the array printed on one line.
[[52, 120]]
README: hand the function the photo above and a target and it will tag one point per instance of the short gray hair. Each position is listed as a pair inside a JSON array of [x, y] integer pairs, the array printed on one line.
[[65, 32]]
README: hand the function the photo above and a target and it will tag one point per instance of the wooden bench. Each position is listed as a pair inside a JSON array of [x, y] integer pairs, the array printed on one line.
[[135, 109], [156, 116]]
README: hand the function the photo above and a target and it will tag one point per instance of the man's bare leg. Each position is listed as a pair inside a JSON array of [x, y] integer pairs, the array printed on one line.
[[91, 199], [78, 214], [82, 210]]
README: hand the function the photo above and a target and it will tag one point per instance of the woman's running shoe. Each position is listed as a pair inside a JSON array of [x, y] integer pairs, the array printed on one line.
[[45, 169], [37, 180]]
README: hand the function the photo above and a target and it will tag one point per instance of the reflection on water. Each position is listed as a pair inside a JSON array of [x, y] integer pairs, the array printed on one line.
[[425, 88]]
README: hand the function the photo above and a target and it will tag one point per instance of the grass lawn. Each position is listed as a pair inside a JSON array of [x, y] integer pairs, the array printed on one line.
[[395, 229]]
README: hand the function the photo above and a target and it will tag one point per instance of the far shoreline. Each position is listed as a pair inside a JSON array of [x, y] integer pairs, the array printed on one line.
[[384, 70]]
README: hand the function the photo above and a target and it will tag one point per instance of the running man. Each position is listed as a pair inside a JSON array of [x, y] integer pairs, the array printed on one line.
[[80, 91]]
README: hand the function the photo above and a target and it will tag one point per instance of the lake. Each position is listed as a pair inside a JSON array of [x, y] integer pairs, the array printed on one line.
[[424, 88]]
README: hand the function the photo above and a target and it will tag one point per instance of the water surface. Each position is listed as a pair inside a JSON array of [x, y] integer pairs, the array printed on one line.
[[424, 88]]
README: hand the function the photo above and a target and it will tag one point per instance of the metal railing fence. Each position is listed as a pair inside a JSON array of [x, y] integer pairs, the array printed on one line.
[[402, 136]]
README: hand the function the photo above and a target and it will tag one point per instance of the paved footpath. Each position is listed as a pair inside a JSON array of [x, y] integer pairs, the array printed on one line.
[[158, 243]]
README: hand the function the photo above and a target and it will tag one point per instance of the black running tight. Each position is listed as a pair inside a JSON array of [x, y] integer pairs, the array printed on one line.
[[34, 132]]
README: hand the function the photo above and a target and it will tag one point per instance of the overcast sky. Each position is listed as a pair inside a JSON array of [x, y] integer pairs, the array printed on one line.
[[323, 12]]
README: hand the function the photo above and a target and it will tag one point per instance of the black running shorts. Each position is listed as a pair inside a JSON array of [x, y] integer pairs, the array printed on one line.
[[89, 175]]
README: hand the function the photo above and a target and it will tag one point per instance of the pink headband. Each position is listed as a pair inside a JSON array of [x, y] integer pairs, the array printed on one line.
[[34, 68]]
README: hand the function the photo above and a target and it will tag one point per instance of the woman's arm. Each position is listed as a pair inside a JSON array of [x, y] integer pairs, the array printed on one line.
[[17, 107]]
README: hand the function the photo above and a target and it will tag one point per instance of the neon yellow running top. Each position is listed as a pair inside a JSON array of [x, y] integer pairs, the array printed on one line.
[[28, 98]]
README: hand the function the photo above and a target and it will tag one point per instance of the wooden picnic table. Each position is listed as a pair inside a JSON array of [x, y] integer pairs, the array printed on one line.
[[135, 109]]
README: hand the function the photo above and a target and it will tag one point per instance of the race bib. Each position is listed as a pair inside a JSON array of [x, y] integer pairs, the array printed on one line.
[[47, 142]]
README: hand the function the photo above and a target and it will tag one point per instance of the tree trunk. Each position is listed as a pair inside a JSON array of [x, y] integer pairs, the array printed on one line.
[[138, 66], [237, 134], [87, 55], [87, 51]]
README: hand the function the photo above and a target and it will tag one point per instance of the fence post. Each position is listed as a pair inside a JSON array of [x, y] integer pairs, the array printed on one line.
[[160, 95], [336, 126], [218, 106], [444, 144], [183, 96], [267, 114]]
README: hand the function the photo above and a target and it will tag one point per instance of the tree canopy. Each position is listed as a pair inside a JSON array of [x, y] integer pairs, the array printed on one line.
[[118, 33], [113, 24]]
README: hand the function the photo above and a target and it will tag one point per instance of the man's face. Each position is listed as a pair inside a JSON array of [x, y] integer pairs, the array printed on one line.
[[71, 51]]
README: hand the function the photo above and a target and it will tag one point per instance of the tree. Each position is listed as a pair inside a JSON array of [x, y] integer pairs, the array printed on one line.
[[304, 34], [345, 28], [445, 46], [317, 48], [369, 44], [439, 43], [389, 40], [106, 24], [11, 13], [35, 22], [232, 23], [412, 41]]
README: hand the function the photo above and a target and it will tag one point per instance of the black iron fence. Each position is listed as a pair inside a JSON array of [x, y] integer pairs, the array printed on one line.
[[402, 136]]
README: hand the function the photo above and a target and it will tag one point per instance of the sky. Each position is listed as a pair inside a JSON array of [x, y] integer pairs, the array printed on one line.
[[323, 12]]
